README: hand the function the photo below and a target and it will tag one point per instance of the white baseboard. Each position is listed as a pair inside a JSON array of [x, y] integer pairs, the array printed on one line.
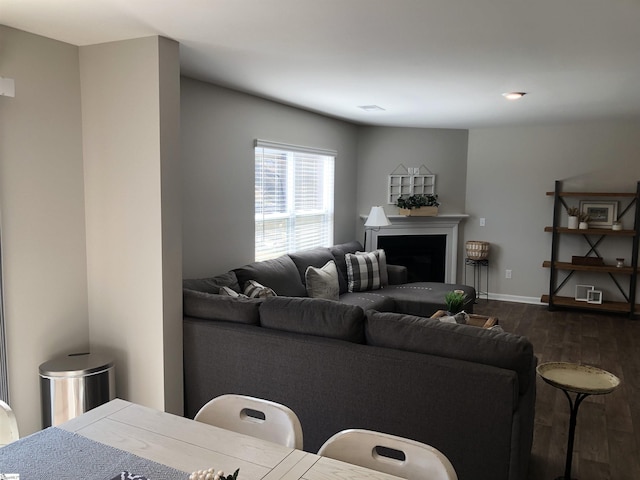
[[515, 298]]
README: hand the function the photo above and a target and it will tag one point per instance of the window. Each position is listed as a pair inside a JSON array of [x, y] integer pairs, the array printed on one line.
[[294, 198]]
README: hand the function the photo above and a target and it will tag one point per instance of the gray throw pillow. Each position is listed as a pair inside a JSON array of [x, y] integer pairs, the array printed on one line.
[[323, 282]]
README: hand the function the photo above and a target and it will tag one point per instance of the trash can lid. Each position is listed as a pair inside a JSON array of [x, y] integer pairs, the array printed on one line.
[[76, 364]]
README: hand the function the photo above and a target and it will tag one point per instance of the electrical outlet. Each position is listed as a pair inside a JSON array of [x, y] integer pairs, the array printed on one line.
[[482, 221], [507, 274]]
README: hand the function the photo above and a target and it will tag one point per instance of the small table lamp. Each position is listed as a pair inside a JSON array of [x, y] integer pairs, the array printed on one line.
[[377, 218]]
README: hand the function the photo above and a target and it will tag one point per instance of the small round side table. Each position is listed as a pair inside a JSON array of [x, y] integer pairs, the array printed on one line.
[[583, 380]]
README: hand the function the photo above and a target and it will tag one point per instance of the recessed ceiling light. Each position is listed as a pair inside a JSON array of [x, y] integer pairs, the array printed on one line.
[[371, 108], [514, 95]]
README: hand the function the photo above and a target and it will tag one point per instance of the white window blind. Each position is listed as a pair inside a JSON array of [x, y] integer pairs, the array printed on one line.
[[294, 198]]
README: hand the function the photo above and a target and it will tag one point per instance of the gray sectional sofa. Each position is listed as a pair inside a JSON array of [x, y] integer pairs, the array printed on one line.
[[468, 391], [286, 276]]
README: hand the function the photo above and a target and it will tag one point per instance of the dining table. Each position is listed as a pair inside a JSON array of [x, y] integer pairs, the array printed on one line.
[[121, 437]]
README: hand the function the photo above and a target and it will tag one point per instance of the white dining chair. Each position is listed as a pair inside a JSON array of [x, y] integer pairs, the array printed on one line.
[[389, 454], [256, 417], [8, 425]]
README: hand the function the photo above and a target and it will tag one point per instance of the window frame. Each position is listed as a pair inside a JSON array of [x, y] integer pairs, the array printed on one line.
[[292, 215]]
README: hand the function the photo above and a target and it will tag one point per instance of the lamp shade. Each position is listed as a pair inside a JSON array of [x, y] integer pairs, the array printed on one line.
[[377, 218]]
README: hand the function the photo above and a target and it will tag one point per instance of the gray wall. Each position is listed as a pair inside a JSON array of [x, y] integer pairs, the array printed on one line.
[[442, 151], [219, 127], [42, 212], [510, 169]]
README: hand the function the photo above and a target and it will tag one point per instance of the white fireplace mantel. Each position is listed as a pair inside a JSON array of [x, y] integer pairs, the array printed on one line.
[[445, 224]]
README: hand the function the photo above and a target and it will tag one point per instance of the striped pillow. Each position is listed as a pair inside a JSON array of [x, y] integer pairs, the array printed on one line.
[[363, 272], [253, 289]]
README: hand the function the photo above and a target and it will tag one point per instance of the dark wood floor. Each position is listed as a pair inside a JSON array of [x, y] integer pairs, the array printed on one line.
[[607, 442]]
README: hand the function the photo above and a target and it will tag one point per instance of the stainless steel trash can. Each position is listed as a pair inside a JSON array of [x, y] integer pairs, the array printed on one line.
[[74, 384]]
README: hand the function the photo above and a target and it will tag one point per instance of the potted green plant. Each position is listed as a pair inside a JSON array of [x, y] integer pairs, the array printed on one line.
[[424, 205], [455, 301]]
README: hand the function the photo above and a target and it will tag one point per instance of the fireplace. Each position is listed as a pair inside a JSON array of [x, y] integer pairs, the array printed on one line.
[[437, 237], [423, 255]]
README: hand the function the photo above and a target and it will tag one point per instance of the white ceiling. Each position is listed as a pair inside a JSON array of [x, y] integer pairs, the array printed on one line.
[[428, 63]]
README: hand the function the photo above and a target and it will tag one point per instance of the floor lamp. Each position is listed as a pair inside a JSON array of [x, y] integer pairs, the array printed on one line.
[[376, 219]]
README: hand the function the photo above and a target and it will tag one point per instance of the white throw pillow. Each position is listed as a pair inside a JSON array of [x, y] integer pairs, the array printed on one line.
[[323, 282]]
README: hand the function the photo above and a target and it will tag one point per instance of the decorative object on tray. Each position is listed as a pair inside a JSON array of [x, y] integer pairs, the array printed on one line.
[[582, 292], [454, 301], [418, 205], [211, 474], [619, 262], [593, 261], [477, 250], [602, 214], [572, 212]]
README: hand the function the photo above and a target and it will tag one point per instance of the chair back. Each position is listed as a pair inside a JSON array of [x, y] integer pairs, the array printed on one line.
[[8, 425], [255, 417], [389, 454]]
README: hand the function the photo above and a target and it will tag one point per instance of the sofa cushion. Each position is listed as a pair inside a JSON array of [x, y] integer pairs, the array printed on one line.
[[464, 342], [315, 257], [338, 252], [363, 272], [426, 298], [375, 300], [280, 274], [213, 284], [313, 316], [220, 307], [323, 282]]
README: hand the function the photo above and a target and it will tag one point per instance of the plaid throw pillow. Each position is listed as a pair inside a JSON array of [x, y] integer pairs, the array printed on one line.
[[363, 272], [253, 289]]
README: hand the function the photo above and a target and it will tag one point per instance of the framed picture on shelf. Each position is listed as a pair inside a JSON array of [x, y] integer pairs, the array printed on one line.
[[594, 296], [601, 214], [582, 292]]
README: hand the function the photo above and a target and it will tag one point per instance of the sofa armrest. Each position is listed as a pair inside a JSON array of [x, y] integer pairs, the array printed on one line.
[[398, 274]]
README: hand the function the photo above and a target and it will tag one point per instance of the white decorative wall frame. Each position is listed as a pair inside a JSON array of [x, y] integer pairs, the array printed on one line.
[[410, 181]]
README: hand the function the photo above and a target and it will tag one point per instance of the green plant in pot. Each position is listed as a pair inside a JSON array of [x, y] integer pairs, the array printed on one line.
[[417, 201], [455, 301]]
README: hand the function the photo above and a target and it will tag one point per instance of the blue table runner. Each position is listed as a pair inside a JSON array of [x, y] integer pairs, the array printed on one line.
[[54, 453]]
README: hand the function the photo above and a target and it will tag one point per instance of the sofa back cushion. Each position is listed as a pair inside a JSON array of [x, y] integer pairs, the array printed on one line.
[[313, 316], [313, 257], [464, 342], [279, 274], [220, 307], [213, 284], [338, 252]]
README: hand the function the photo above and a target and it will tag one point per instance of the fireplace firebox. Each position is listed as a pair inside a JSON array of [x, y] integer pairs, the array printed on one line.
[[423, 255]]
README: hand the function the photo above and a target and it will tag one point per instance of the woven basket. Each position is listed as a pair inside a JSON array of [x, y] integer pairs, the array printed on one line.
[[477, 250]]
